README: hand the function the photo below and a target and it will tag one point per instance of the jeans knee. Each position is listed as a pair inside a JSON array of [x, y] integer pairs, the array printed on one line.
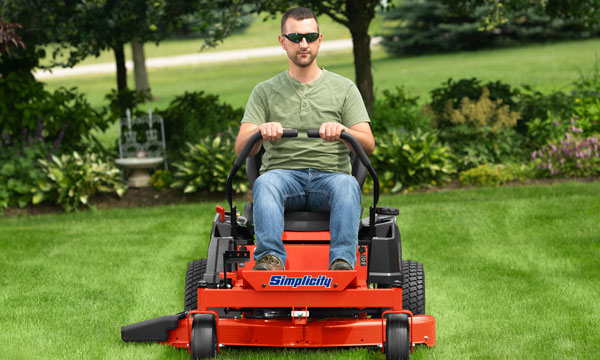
[[347, 188]]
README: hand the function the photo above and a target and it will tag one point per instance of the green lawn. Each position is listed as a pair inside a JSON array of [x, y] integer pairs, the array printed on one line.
[[512, 272]]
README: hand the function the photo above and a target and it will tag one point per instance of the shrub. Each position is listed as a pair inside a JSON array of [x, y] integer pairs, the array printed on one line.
[[19, 174], [120, 101], [481, 131], [206, 164], [161, 179], [572, 156], [397, 111], [494, 174], [406, 160], [452, 93], [65, 114], [194, 116], [71, 179], [536, 106], [587, 102]]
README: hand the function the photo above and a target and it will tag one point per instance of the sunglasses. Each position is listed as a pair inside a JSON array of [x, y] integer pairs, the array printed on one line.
[[297, 37]]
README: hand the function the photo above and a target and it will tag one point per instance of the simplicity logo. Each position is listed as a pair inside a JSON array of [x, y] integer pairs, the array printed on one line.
[[307, 280]]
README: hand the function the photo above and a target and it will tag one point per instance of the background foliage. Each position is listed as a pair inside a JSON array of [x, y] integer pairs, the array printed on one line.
[[194, 116], [431, 26]]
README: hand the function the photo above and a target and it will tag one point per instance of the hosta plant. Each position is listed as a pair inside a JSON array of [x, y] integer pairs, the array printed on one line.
[[405, 161], [72, 179], [206, 165]]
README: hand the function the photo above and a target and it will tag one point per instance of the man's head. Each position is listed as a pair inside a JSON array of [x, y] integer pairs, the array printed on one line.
[[298, 13], [300, 36]]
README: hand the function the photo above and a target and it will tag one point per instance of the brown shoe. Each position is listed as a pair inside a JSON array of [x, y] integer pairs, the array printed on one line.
[[268, 262], [340, 264]]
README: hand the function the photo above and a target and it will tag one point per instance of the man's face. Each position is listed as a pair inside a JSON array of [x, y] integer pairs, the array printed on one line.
[[303, 53]]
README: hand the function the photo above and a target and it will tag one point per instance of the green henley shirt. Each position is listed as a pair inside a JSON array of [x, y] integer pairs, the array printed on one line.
[[283, 99]]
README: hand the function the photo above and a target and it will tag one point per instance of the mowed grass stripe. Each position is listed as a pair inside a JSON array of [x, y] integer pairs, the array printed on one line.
[[511, 273], [514, 277], [89, 277]]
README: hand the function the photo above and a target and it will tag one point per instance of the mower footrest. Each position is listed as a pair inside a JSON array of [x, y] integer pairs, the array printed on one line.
[[151, 330]]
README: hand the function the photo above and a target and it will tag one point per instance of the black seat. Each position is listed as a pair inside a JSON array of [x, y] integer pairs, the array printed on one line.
[[299, 220]]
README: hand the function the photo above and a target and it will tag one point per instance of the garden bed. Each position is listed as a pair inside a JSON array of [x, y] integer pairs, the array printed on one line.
[[142, 197]]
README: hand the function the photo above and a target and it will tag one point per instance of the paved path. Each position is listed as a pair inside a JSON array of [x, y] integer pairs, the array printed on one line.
[[193, 59]]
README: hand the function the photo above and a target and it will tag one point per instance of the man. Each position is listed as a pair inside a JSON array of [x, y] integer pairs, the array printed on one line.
[[301, 174]]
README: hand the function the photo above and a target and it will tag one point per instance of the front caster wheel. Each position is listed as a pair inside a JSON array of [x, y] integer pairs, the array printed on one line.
[[203, 343], [397, 337]]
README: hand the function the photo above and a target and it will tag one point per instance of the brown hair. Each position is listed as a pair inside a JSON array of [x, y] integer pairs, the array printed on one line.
[[298, 13]]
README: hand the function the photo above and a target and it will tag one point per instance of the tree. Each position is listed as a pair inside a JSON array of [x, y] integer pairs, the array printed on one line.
[[586, 12]]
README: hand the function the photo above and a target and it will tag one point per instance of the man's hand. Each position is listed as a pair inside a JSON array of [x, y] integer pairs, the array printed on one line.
[[271, 131], [331, 131]]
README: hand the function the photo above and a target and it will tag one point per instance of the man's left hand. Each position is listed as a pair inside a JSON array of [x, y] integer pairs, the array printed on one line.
[[331, 131]]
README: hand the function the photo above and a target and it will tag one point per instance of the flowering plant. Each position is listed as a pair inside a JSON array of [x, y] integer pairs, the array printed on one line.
[[572, 156]]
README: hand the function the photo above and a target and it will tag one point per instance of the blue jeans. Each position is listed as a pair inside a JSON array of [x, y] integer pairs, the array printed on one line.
[[306, 190]]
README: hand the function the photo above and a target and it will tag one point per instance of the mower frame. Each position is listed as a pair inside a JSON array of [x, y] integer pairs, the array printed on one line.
[[304, 306]]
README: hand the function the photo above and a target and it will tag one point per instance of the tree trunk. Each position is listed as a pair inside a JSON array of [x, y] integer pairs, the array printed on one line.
[[121, 69], [361, 43], [139, 66], [359, 14]]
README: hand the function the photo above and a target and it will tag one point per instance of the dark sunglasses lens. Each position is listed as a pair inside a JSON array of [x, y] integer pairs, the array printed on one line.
[[310, 37], [295, 37]]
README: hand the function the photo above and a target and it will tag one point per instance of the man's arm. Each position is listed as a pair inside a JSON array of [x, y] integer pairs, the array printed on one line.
[[271, 131], [331, 131]]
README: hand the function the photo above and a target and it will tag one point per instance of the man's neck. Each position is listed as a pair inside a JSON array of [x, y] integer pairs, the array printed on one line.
[[307, 74]]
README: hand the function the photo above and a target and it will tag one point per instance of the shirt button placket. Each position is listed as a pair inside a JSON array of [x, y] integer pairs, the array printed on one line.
[[303, 103]]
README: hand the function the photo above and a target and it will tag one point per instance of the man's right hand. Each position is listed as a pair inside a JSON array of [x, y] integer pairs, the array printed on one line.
[[271, 131]]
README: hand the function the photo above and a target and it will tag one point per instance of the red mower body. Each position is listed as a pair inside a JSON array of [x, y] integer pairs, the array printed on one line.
[[381, 303]]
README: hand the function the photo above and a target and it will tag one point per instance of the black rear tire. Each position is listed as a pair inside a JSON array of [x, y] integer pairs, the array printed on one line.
[[413, 287], [203, 343], [195, 273], [397, 337]]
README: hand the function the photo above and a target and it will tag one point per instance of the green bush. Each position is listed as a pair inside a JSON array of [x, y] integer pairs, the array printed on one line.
[[452, 94], [397, 111], [20, 173], [207, 163], [587, 103], [477, 121], [407, 160], [543, 108], [191, 117], [494, 174], [120, 101], [66, 116], [70, 180], [161, 179]]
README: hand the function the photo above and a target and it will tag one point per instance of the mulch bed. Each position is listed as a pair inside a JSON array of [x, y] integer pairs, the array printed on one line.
[[138, 197]]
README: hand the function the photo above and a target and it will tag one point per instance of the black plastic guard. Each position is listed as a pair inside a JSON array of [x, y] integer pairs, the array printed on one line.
[[154, 330]]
